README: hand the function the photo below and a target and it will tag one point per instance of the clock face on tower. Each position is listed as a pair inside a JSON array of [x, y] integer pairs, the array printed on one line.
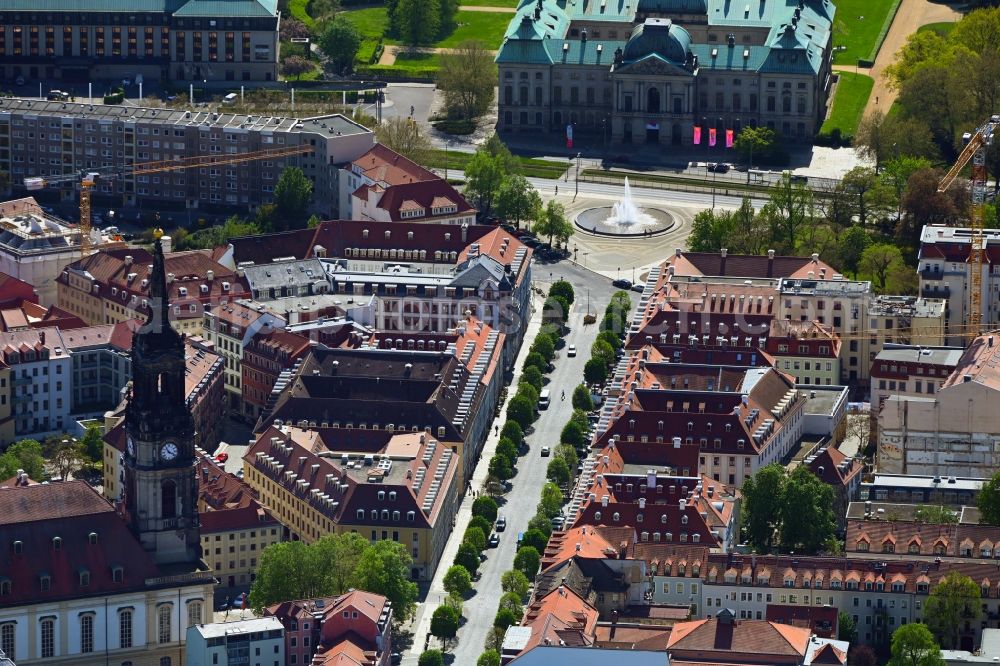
[[169, 451]]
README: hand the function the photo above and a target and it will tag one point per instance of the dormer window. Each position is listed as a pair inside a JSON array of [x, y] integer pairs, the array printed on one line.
[[18, 547], [56, 543], [84, 578], [45, 582], [5, 587], [117, 574], [92, 538]]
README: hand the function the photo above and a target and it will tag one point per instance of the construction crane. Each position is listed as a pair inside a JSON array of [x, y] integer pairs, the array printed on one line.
[[976, 144], [90, 178]]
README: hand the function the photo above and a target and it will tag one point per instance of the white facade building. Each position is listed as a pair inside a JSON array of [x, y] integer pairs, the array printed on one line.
[[254, 642]]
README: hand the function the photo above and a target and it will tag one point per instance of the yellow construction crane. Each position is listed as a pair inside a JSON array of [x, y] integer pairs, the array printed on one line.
[[976, 144], [89, 179]]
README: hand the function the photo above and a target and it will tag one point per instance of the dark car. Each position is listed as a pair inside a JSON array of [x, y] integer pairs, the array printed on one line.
[[621, 283], [501, 524], [396, 658], [638, 287], [494, 540], [720, 167]]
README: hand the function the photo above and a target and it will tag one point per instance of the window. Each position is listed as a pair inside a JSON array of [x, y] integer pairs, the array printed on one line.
[[48, 638], [86, 633], [163, 616], [168, 499], [7, 643], [125, 628], [194, 613]]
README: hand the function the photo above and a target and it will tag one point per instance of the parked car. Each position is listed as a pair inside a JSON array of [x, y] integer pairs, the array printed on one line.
[[238, 601], [621, 283], [719, 167], [638, 287], [571, 350], [558, 522], [501, 524], [494, 540], [396, 658], [546, 451], [222, 457]]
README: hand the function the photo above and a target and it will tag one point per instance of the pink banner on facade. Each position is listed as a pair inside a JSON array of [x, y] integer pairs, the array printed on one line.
[[697, 135], [711, 136], [729, 138]]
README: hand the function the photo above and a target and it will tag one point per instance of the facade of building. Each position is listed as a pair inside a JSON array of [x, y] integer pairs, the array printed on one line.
[[256, 642], [944, 272], [911, 371], [113, 286], [265, 357], [953, 432], [667, 73], [353, 628], [101, 366], [40, 380], [114, 138], [410, 494], [34, 246], [230, 326], [808, 351], [160, 40]]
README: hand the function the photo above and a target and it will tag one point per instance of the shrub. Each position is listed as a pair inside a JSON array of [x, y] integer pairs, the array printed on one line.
[[468, 557], [564, 289], [526, 561], [582, 399], [457, 580], [521, 410], [475, 536], [533, 376], [512, 431], [431, 658], [486, 508]]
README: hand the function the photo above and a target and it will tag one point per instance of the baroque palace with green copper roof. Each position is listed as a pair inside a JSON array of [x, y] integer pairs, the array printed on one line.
[[669, 72]]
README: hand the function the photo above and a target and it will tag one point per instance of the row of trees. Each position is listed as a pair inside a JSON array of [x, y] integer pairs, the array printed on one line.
[[604, 351], [332, 565], [420, 22]]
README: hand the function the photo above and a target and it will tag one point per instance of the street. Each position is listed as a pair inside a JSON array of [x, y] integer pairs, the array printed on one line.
[[527, 484]]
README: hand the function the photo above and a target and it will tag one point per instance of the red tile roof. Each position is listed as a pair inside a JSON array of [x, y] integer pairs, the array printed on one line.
[[424, 196], [383, 165], [740, 265], [832, 467], [719, 639]]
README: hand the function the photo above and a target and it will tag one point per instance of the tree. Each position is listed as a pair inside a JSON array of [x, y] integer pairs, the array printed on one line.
[[517, 200], [541, 522], [457, 580], [296, 66], [292, 195], [93, 443], [476, 536], [511, 601], [595, 371], [528, 392], [485, 507], [444, 623], [535, 359], [505, 617], [788, 210], [935, 514], [989, 501], [536, 539], [340, 42], [762, 502], [573, 434], [752, 139], [25, 455], [512, 431], [285, 571], [568, 453], [552, 222], [417, 21], [913, 645], [543, 345], [952, 602], [862, 655], [852, 245], [501, 467], [602, 350], [431, 658], [403, 135], [860, 182], [292, 28], [526, 561], [467, 77], [877, 260], [448, 10], [922, 204], [564, 289], [480, 522], [322, 10], [582, 399], [880, 138], [807, 519], [557, 471], [489, 658], [551, 501], [508, 449], [67, 460], [484, 176], [847, 628], [521, 411], [555, 311], [515, 582], [216, 235], [467, 557], [339, 555], [384, 569]]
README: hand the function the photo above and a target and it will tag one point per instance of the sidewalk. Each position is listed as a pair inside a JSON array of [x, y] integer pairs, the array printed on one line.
[[421, 623]]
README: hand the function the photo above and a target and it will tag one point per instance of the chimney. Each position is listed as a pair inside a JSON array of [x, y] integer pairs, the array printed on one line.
[[128, 259], [209, 275], [167, 242], [683, 504], [642, 502], [677, 252], [724, 251], [815, 257], [604, 501], [465, 232], [579, 546]]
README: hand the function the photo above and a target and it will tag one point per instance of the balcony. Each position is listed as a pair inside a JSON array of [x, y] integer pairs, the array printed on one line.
[[931, 274], [940, 292], [20, 381]]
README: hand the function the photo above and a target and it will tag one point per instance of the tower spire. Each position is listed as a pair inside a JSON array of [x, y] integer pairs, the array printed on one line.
[[159, 307]]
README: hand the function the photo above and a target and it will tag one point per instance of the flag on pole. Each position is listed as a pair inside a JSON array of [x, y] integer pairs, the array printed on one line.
[[729, 138], [697, 135], [569, 136], [711, 136]]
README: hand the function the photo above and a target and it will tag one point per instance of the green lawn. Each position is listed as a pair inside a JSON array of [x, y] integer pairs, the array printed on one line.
[[942, 29], [487, 27], [849, 103], [297, 8], [370, 22], [406, 61], [490, 3], [858, 26]]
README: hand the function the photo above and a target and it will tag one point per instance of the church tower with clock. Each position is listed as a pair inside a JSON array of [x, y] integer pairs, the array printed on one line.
[[161, 484]]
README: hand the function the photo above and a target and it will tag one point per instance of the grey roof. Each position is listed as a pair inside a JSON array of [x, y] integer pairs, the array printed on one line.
[[212, 8], [222, 629], [279, 274], [658, 36], [579, 656], [241, 8], [907, 481], [673, 6], [473, 272], [947, 356]]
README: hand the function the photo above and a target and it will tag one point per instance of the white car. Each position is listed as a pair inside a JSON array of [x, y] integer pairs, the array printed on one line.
[[571, 350], [546, 451]]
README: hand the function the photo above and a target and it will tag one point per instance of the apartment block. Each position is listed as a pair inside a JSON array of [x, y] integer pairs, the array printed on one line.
[[46, 139], [406, 490], [808, 351], [162, 41], [911, 370], [254, 642], [40, 379], [265, 357], [100, 359]]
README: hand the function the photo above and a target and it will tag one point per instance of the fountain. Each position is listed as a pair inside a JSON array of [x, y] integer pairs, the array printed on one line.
[[624, 218]]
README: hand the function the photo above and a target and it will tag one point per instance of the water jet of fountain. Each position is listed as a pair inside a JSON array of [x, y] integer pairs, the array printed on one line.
[[626, 214]]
